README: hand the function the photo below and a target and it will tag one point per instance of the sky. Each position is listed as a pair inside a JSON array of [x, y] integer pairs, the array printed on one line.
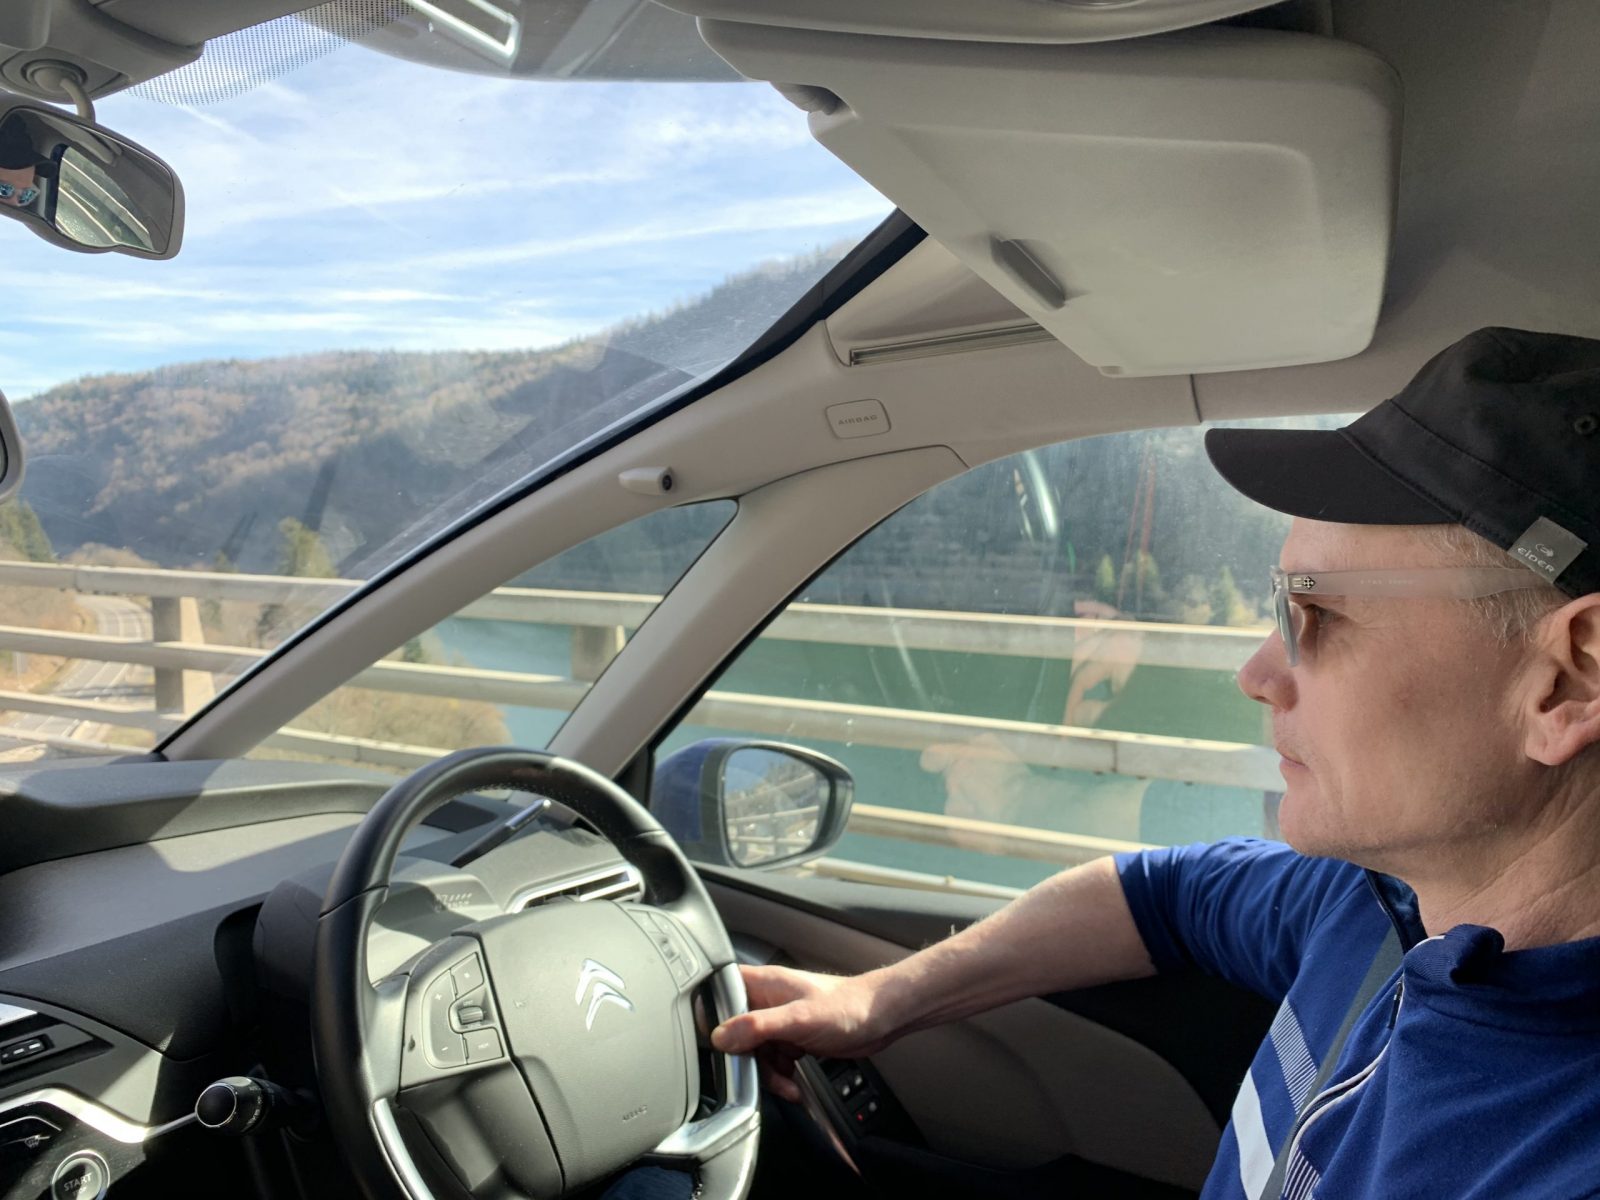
[[364, 202]]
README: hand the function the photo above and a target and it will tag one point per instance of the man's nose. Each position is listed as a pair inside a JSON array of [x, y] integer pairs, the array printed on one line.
[[1267, 677]]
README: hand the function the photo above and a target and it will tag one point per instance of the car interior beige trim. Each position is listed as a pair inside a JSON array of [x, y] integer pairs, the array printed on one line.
[[993, 20], [671, 653], [1016, 1087], [1030, 164]]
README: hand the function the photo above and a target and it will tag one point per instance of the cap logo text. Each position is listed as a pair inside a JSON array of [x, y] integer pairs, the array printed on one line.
[[1547, 549]]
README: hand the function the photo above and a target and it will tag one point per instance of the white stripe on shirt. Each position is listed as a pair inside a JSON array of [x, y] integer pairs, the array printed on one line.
[[1289, 1043], [1255, 1154]]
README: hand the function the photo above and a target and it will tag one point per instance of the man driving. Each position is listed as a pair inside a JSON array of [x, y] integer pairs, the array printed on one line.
[[1432, 929]]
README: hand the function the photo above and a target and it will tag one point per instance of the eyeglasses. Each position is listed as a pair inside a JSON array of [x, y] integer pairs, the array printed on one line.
[[1436, 583], [25, 196]]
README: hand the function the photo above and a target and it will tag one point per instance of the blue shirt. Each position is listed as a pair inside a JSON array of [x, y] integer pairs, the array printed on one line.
[[1472, 1074]]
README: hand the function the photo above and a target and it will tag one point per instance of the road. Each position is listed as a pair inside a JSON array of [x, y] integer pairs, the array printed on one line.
[[85, 680]]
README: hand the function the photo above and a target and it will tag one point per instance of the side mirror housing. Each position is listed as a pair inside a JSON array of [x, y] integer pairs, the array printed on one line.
[[82, 187], [752, 804], [10, 452]]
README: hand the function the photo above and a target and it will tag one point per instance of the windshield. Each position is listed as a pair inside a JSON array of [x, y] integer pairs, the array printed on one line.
[[402, 288]]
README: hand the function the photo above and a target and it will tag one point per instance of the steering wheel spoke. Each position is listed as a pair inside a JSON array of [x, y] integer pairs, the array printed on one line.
[[704, 1137], [385, 1024]]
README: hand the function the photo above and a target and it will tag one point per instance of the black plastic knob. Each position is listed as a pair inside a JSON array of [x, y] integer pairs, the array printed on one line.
[[235, 1105]]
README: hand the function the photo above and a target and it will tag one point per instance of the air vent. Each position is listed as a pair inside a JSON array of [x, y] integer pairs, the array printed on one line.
[[614, 883]]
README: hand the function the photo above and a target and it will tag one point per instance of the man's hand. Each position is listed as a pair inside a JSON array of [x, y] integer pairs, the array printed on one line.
[[1074, 930], [793, 1013]]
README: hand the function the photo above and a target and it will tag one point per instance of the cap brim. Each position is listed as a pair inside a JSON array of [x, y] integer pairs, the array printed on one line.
[[1316, 473]]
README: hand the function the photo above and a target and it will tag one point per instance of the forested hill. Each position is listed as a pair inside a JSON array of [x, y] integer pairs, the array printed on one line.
[[191, 462], [334, 463]]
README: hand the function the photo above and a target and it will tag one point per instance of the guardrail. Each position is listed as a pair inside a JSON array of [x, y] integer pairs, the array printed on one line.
[[183, 665]]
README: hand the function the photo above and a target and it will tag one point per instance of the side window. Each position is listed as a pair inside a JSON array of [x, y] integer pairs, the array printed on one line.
[[509, 667], [1028, 667]]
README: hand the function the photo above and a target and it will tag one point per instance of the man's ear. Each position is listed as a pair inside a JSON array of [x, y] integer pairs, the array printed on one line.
[[1563, 707]]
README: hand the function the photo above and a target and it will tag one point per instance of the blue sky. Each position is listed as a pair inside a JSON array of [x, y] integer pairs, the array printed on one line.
[[366, 202]]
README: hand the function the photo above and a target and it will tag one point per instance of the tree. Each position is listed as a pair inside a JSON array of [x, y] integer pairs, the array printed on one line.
[[1195, 603], [1228, 605], [303, 556], [20, 530], [1105, 580], [1142, 593]]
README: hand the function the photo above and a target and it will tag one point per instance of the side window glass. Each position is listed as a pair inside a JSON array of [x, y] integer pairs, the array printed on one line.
[[1029, 667], [509, 667]]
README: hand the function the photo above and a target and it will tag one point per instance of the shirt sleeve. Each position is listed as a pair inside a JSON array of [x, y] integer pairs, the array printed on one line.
[[1242, 909]]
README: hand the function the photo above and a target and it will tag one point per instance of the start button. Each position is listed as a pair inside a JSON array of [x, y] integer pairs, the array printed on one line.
[[81, 1176]]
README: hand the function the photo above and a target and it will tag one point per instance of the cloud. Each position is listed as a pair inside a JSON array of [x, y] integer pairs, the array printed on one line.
[[816, 211], [382, 295]]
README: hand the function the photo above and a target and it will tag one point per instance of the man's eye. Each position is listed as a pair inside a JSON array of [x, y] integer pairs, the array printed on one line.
[[1308, 618], [1315, 617]]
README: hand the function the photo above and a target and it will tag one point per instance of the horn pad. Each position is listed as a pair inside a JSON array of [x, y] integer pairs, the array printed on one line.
[[589, 1006]]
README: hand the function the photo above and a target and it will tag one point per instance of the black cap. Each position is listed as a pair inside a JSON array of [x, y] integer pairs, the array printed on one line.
[[16, 146], [1500, 432]]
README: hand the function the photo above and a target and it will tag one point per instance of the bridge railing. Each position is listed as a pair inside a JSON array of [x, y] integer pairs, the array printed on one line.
[[184, 665]]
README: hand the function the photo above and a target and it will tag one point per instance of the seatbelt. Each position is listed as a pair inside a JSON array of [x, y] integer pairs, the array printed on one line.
[[1384, 964]]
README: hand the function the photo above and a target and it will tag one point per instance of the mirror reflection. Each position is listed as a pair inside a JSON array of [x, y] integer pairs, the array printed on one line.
[[91, 208], [90, 187], [774, 804]]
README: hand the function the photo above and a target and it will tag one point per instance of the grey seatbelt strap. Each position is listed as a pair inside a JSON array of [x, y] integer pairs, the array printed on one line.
[[1384, 964]]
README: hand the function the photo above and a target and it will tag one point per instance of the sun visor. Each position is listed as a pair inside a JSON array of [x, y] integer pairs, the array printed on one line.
[[978, 20], [1215, 199]]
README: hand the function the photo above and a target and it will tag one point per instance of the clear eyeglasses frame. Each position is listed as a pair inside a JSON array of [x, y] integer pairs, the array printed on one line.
[[1421, 583]]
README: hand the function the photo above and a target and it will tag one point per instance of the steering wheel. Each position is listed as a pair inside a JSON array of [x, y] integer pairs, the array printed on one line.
[[533, 1053]]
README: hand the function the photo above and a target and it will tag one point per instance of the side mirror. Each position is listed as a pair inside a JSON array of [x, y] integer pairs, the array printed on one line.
[[10, 452], [80, 186], [751, 804]]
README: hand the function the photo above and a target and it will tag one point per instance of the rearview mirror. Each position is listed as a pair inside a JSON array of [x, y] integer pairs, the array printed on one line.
[[751, 804], [77, 184]]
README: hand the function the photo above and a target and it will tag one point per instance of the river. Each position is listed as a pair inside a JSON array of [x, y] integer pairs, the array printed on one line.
[[1190, 703]]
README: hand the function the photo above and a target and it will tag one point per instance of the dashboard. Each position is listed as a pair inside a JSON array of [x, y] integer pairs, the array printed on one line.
[[157, 922]]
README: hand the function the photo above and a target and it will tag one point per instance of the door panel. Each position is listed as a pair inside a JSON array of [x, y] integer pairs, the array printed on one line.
[[1016, 1089]]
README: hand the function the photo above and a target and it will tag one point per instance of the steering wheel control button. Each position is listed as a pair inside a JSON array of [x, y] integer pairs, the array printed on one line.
[[678, 940], [447, 1051], [443, 1046], [81, 1176], [483, 1045], [471, 1011], [468, 975], [670, 941]]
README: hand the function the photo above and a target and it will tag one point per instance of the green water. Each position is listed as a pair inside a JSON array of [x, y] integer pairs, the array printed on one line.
[[1186, 703]]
